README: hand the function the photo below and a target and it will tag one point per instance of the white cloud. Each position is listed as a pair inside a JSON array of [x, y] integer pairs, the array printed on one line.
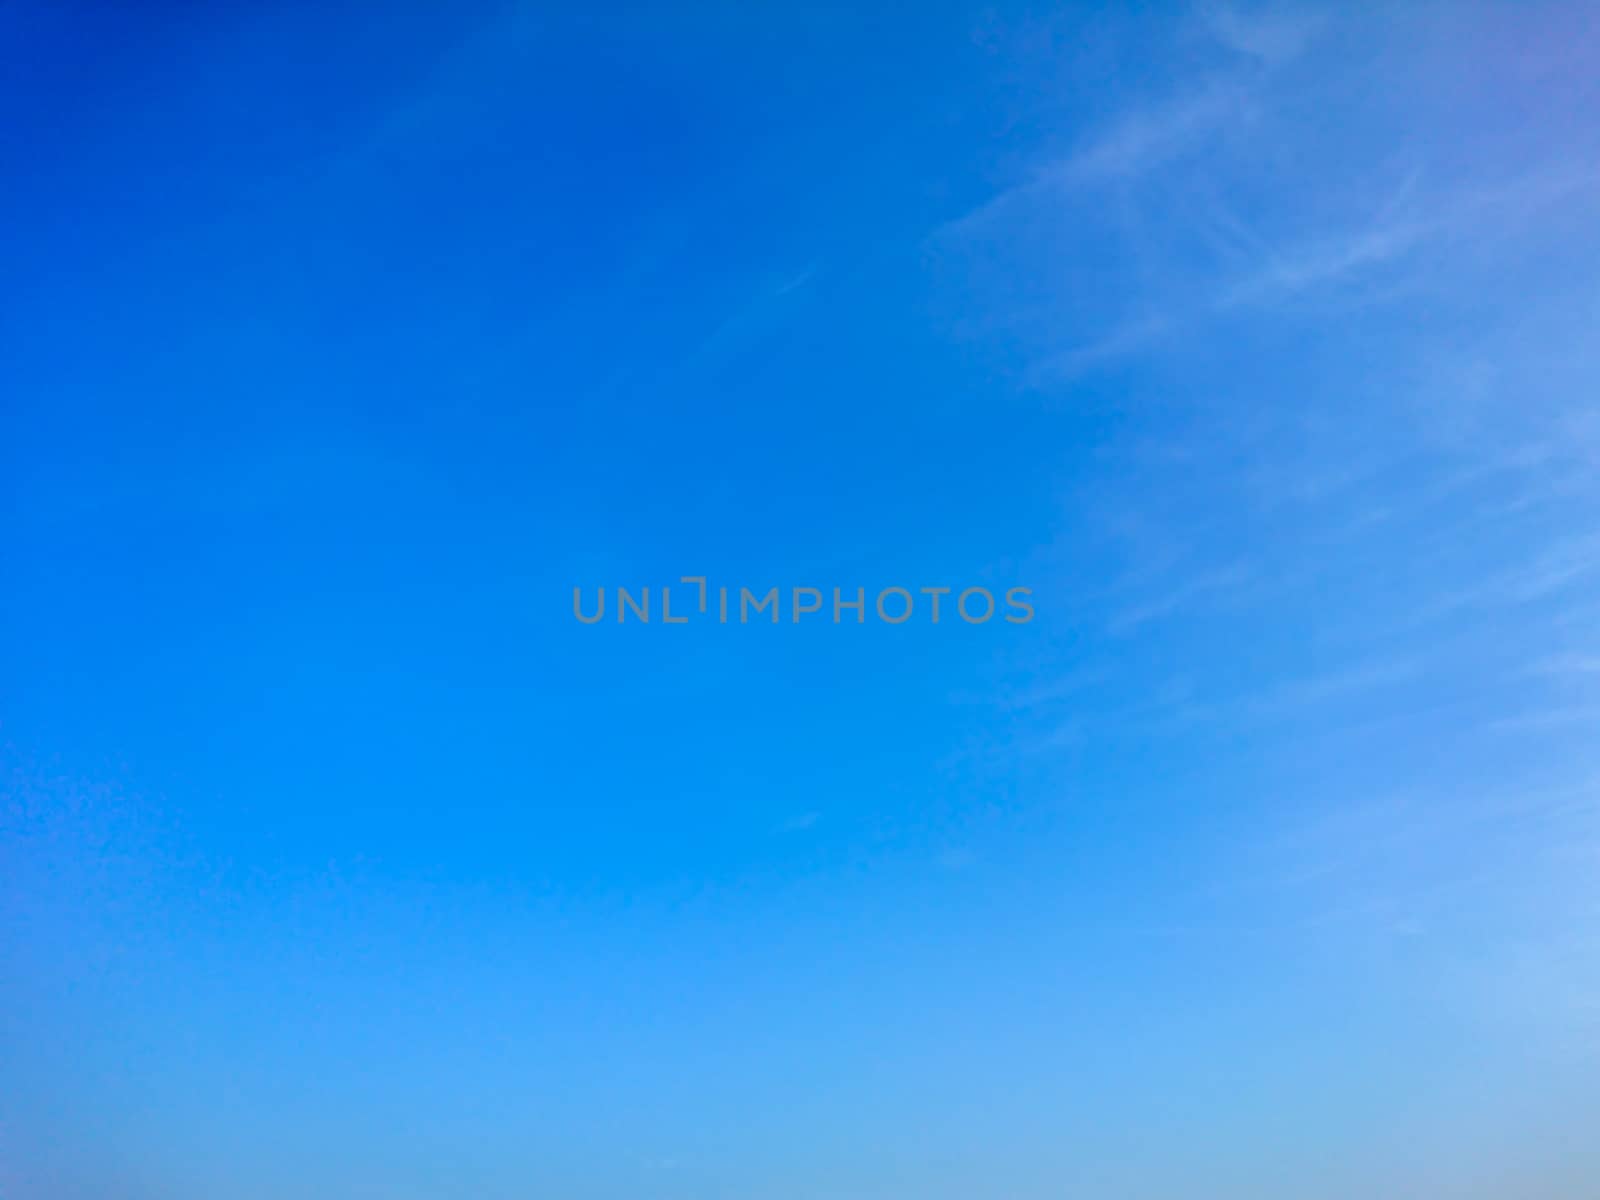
[[1126, 339], [1204, 586], [1143, 139], [1568, 664], [1271, 37]]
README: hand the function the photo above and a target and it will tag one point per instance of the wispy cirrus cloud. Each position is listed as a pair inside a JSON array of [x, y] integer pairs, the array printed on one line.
[[1407, 223], [1204, 586], [1130, 145], [1556, 566], [1149, 134], [1555, 717], [1412, 241], [1143, 139], [1581, 665], [1269, 35], [1125, 339], [1239, 190]]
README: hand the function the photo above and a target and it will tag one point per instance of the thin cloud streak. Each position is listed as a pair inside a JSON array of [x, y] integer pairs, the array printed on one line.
[[1272, 38]]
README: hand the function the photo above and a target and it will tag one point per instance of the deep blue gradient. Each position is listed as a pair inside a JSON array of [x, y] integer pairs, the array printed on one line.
[[339, 343]]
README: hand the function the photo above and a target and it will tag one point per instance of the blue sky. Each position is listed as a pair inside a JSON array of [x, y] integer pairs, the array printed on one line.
[[337, 858]]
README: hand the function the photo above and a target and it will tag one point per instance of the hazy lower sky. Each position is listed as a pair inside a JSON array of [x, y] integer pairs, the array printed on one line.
[[339, 343]]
